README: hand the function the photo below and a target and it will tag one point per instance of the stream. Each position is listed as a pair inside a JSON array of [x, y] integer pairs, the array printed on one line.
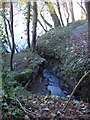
[[53, 86], [49, 84]]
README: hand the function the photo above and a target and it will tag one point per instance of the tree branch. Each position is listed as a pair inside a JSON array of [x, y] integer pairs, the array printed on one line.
[[82, 8], [75, 88]]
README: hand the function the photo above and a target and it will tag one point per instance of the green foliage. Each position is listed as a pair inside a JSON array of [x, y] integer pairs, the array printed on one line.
[[10, 109], [3, 38], [10, 89], [25, 13], [3, 13], [55, 42], [24, 76], [75, 66], [75, 24], [8, 84]]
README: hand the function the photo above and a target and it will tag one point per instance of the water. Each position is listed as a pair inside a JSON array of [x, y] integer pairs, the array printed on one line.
[[53, 86]]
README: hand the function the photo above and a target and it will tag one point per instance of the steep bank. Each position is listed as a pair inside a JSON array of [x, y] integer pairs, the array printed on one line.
[[54, 44], [67, 48]]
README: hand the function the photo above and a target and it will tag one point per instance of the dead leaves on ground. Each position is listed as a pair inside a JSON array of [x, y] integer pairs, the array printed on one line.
[[51, 107]]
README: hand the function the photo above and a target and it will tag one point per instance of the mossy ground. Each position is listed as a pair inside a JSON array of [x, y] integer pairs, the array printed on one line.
[[55, 42]]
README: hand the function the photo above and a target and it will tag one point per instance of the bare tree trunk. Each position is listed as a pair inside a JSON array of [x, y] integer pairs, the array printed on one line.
[[53, 14], [58, 6], [86, 84], [9, 25], [46, 21], [12, 35], [82, 8], [16, 48], [88, 15], [28, 24], [71, 10], [41, 25], [67, 10], [5, 24], [33, 44]]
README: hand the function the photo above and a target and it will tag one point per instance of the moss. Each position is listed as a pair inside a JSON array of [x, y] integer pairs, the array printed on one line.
[[24, 76], [55, 42]]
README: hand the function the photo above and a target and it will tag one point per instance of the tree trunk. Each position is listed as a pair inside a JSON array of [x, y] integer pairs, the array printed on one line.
[[28, 24], [88, 14], [12, 35], [86, 84], [41, 25], [46, 21], [83, 11], [66, 9], [58, 6], [9, 25], [33, 44], [71, 10], [53, 14], [5, 24]]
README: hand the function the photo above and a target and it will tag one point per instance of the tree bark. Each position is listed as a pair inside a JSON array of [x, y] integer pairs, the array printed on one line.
[[41, 25], [87, 4], [9, 25], [12, 35], [53, 14], [82, 8], [28, 24], [71, 10], [58, 6], [88, 14], [86, 84], [66, 8], [5, 24], [33, 44], [46, 21]]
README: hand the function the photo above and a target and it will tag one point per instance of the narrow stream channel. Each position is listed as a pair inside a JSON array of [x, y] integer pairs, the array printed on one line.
[[53, 87]]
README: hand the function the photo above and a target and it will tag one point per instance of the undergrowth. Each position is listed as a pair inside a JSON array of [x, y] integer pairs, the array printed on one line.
[[10, 89], [75, 65]]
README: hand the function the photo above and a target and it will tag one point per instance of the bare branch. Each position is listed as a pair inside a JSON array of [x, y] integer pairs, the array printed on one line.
[[75, 88], [82, 8]]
